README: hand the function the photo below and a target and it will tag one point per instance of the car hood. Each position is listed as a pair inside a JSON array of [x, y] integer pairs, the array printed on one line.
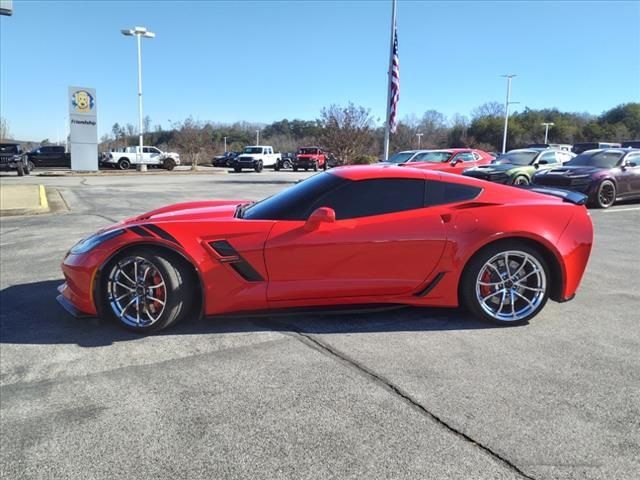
[[495, 168], [206, 210], [575, 171]]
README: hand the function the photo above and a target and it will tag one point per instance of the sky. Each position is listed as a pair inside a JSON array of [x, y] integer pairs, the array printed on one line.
[[262, 61]]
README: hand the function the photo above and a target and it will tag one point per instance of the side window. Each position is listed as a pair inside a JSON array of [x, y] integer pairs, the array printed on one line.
[[146, 150], [440, 193], [465, 157], [154, 150], [548, 157], [374, 197], [634, 158], [476, 156]]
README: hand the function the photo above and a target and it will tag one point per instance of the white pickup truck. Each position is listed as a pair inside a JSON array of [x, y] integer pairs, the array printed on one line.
[[123, 158], [256, 157]]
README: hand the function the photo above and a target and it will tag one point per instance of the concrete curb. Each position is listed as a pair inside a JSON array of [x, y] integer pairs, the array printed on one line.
[[119, 173], [28, 203]]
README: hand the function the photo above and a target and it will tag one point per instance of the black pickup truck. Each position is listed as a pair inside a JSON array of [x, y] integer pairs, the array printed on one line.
[[13, 158], [49, 156]]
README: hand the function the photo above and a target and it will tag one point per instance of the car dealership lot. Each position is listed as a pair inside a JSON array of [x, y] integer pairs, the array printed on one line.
[[398, 394]]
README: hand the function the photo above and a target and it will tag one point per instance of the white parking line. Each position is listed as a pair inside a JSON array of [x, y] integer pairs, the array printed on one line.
[[622, 210]]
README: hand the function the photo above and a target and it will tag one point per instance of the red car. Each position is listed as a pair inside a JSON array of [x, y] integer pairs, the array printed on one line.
[[352, 236], [310, 158], [451, 160]]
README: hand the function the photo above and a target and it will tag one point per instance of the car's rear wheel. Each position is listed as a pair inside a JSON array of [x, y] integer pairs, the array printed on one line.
[[276, 166], [507, 283], [295, 169], [315, 166], [606, 194], [286, 164], [146, 289], [124, 164], [521, 180]]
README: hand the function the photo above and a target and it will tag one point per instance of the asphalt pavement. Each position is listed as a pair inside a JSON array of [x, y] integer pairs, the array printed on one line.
[[404, 394]]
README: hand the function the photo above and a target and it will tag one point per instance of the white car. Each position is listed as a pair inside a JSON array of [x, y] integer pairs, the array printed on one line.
[[256, 157], [123, 158]]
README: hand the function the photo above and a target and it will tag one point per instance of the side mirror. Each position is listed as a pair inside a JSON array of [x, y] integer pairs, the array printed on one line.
[[629, 164], [318, 217], [454, 162]]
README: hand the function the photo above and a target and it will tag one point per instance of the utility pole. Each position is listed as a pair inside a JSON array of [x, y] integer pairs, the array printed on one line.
[[258, 137], [506, 111], [419, 135], [546, 126], [225, 144]]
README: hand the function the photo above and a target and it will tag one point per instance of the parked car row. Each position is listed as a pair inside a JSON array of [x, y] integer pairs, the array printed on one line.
[[257, 157]]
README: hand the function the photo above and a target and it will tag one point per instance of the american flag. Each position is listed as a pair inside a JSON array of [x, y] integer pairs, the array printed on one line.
[[395, 84]]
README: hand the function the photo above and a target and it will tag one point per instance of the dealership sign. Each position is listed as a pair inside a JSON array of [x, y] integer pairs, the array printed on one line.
[[83, 128]]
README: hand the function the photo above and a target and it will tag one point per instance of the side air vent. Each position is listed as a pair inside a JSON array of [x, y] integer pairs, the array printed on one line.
[[231, 257], [224, 248]]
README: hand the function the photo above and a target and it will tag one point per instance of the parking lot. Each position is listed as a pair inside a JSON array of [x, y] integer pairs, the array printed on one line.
[[409, 393]]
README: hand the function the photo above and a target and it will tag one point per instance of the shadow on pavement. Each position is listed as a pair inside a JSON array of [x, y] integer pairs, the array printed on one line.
[[30, 314]]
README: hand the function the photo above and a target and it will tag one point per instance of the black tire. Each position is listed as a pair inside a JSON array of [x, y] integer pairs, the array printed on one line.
[[177, 277], [124, 164], [324, 166], [606, 194], [286, 164], [169, 164], [315, 166], [306, 169], [237, 169], [469, 281], [258, 167], [276, 167], [20, 170], [30, 166], [295, 169], [521, 180]]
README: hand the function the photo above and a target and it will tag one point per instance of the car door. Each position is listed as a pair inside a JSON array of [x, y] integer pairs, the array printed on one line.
[[383, 242], [629, 177]]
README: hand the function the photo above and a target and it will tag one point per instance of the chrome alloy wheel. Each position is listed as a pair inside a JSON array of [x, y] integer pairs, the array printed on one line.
[[511, 285], [136, 292]]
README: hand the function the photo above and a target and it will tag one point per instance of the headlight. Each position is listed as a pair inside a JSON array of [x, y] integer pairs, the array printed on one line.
[[87, 244]]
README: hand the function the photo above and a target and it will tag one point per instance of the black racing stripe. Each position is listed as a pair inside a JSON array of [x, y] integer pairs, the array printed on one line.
[[246, 271], [161, 233], [140, 231]]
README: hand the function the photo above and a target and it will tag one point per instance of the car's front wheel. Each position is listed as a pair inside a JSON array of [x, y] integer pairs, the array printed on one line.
[[124, 164], [506, 283], [169, 164], [521, 180], [146, 289], [258, 167], [606, 194]]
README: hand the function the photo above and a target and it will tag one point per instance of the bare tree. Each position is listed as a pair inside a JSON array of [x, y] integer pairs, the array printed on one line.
[[146, 124], [130, 129], [346, 130], [193, 139], [488, 109], [5, 133]]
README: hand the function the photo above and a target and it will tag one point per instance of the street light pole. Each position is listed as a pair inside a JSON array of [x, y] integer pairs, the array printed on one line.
[[258, 137], [139, 32], [506, 111], [419, 135], [546, 130], [225, 144]]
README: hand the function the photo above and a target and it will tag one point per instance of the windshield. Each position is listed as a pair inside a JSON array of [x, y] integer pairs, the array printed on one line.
[[9, 148], [599, 160], [433, 157], [293, 203], [252, 150], [517, 158], [308, 151], [400, 157]]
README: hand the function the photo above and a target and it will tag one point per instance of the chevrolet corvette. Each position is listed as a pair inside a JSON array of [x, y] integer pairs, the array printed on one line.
[[350, 237]]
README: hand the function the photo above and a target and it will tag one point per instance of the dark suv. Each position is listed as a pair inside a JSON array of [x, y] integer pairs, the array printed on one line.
[[13, 158], [49, 156]]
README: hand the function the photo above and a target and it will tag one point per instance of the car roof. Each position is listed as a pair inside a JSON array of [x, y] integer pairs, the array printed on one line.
[[363, 172]]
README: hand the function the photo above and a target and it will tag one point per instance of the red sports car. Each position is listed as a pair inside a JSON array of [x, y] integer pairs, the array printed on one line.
[[451, 160], [349, 237]]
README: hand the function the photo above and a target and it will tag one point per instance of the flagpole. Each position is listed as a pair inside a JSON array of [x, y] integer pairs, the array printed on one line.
[[387, 126]]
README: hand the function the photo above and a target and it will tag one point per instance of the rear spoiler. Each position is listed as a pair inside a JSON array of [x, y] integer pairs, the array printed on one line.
[[569, 196]]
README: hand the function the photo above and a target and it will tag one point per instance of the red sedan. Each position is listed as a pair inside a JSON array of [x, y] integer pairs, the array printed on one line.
[[451, 160], [351, 236]]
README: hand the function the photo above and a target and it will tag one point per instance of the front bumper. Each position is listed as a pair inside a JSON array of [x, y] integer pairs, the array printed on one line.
[[305, 162], [69, 306]]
